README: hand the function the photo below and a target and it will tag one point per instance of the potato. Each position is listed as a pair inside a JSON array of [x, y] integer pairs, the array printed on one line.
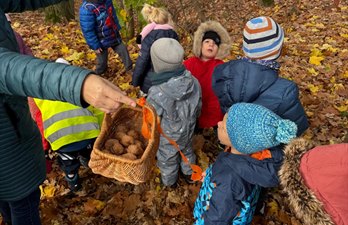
[[109, 143], [129, 156], [138, 143], [117, 149], [134, 149], [127, 140], [119, 135], [121, 128], [133, 134]]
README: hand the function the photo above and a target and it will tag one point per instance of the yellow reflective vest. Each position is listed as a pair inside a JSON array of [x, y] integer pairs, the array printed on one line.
[[64, 123]]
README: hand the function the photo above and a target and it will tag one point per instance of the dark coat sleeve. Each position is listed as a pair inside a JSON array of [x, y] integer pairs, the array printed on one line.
[[23, 75], [291, 108], [20, 5]]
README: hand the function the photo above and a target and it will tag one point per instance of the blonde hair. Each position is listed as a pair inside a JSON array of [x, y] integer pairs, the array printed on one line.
[[157, 15]]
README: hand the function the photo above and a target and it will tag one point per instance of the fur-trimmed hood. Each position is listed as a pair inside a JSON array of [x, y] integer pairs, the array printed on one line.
[[302, 200], [224, 48]]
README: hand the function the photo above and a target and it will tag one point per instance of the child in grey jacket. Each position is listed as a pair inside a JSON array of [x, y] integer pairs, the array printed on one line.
[[176, 96]]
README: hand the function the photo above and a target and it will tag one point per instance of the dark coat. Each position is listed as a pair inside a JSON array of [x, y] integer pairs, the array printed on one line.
[[22, 161], [235, 176], [143, 65], [243, 81]]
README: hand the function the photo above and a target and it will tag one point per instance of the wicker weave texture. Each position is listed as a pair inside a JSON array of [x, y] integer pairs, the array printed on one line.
[[125, 170]]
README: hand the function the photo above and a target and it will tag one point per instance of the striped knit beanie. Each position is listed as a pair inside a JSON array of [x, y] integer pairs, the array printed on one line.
[[252, 128], [262, 38]]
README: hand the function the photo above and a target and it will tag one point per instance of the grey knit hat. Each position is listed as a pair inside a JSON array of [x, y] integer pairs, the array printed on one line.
[[166, 55]]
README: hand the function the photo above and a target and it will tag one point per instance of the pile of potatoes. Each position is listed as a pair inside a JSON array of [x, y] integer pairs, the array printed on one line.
[[126, 143]]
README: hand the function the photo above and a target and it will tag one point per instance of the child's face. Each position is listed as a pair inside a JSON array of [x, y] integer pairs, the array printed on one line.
[[209, 49], [222, 132]]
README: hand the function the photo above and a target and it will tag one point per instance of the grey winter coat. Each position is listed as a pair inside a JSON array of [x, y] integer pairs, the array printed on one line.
[[22, 162], [178, 103]]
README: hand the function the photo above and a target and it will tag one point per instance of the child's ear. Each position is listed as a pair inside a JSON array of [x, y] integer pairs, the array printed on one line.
[[138, 39]]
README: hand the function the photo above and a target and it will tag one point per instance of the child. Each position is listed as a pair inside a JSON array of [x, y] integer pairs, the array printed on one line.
[[71, 131], [160, 25], [232, 184], [315, 181], [176, 96], [211, 44], [100, 27], [254, 78]]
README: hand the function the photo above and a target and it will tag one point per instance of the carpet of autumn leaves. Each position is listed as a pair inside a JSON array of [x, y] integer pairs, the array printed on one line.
[[315, 56]]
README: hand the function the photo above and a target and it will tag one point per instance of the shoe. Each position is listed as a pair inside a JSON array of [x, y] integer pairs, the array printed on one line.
[[173, 186], [188, 179], [73, 183], [83, 161]]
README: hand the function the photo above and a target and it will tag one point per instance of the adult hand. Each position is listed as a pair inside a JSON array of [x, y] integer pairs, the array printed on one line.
[[104, 95]]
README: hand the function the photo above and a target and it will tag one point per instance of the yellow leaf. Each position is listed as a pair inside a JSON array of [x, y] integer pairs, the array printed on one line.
[[342, 108], [16, 25], [45, 52], [124, 86], [123, 14], [64, 50], [316, 52], [314, 89], [49, 36], [333, 80], [313, 71], [344, 35], [273, 207], [315, 30], [328, 48], [91, 56], [345, 74], [315, 60], [75, 56], [47, 191]]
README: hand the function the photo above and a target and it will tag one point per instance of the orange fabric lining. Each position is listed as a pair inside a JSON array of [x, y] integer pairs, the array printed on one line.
[[261, 155]]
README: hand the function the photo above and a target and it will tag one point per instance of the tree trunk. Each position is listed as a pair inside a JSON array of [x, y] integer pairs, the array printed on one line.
[[63, 11]]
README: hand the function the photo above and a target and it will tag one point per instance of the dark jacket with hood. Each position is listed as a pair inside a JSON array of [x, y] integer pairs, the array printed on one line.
[[244, 81], [143, 65], [235, 177], [315, 179], [22, 161]]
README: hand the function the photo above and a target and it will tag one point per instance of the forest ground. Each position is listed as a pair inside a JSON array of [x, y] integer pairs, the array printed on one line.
[[315, 56]]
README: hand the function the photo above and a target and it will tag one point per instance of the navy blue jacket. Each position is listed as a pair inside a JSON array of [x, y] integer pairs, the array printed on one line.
[[143, 64], [235, 177], [99, 24], [244, 81]]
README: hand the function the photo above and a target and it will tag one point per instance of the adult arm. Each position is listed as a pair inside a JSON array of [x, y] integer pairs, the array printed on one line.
[[23, 5], [28, 76]]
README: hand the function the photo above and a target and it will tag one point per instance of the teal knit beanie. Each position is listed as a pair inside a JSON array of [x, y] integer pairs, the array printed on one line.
[[252, 128]]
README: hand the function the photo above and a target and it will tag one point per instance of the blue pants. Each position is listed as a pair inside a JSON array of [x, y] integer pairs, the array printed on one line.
[[22, 212]]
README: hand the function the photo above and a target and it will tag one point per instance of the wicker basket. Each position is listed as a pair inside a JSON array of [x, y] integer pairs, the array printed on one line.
[[122, 169]]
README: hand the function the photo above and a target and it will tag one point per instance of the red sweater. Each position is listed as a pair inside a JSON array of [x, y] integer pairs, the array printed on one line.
[[203, 70]]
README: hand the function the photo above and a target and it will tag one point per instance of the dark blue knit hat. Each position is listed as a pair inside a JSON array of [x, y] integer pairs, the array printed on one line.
[[252, 128]]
